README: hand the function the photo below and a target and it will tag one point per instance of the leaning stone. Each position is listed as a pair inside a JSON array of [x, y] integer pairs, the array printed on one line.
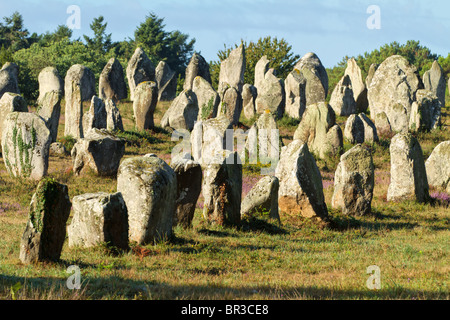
[[358, 86], [408, 174], [354, 182], [434, 81], [207, 99], [45, 232], [100, 152], [149, 188], [262, 198], [189, 185], [112, 82], [222, 190], [232, 71], [197, 67], [301, 189], [99, 218], [167, 82], [182, 113], [438, 167], [139, 69], [11, 102], [49, 80], [50, 110], [25, 144]]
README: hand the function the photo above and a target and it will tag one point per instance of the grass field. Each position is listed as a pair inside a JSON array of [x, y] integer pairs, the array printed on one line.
[[261, 259]]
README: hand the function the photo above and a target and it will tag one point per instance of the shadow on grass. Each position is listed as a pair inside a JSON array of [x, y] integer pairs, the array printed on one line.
[[114, 287]]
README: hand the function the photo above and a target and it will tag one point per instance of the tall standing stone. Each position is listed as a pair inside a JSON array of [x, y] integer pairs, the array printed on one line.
[[354, 182], [358, 86], [197, 67], [222, 190], [79, 86], [99, 218], [144, 104], [139, 69], [207, 99], [316, 78], [232, 71], [271, 95], [25, 144], [45, 232], [342, 100], [166, 79], [50, 110], [434, 81], [182, 113], [249, 95], [9, 78], [295, 89], [231, 105], [149, 188], [49, 80], [112, 82], [408, 174], [393, 90], [319, 130], [301, 189], [425, 112], [189, 185], [95, 117], [113, 116], [11, 102]]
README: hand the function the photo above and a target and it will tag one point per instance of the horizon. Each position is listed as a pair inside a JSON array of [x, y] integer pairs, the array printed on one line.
[[331, 29]]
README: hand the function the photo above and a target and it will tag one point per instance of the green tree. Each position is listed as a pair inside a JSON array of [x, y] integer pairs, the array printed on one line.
[[5, 56], [278, 51], [14, 35], [173, 47], [61, 32], [101, 42]]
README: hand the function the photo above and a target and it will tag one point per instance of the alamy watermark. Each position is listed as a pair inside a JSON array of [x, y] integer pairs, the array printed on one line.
[[74, 20], [74, 281], [374, 21], [374, 281]]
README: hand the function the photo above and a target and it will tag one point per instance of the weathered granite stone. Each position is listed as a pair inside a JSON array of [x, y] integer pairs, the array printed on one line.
[[262, 198], [139, 69], [112, 82]]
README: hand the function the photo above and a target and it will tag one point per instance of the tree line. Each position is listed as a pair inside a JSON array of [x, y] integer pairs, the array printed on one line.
[[33, 52]]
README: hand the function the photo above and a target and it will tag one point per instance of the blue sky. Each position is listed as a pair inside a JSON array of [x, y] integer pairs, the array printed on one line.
[[330, 28]]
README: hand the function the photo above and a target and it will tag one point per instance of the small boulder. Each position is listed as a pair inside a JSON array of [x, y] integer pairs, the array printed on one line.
[[262, 198], [438, 167]]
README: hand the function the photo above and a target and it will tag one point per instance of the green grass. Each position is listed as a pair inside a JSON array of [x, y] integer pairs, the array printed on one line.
[[260, 259]]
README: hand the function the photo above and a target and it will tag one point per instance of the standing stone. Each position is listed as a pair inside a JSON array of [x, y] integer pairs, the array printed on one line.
[[79, 86], [11, 102], [319, 130], [358, 86], [425, 112], [207, 99], [182, 113], [95, 117], [45, 232], [209, 139], [301, 189], [434, 81], [354, 182], [393, 90], [49, 80], [271, 95], [112, 82], [149, 188], [9, 79], [139, 69], [232, 71], [342, 100], [438, 167], [262, 198], [144, 104], [231, 105], [316, 78], [370, 74], [408, 173], [50, 110], [249, 95], [197, 67], [189, 185], [167, 82], [295, 87], [113, 117], [382, 124], [99, 151], [222, 190], [359, 129], [99, 218], [25, 144]]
